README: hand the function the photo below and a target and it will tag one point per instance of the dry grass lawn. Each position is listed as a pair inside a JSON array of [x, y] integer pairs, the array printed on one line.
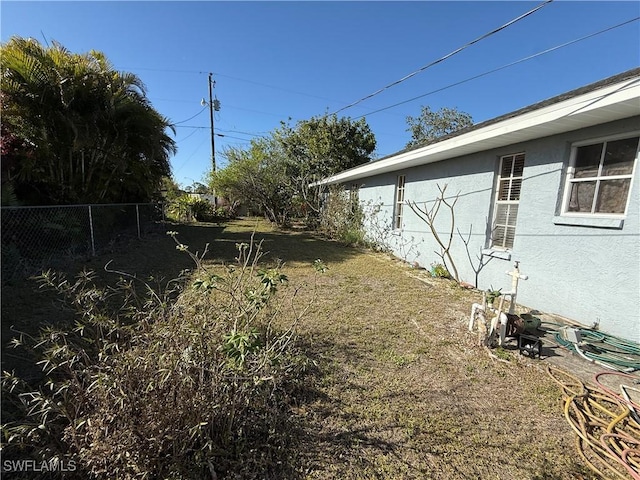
[[400, 391]]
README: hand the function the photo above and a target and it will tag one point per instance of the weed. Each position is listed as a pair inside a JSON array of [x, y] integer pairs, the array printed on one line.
[[396, 359], [352, 413], [143, 386], [439, 270], [502, 354], [342, 218], [493, 294]]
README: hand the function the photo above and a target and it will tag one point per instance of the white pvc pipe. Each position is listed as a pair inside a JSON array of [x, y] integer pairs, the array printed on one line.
[[474, 311]]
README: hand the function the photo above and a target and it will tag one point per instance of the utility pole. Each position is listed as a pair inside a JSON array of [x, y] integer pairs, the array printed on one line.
[[213, 146]]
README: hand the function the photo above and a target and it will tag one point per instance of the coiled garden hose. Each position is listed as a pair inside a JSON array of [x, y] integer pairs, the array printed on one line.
[[605, 350], [608, 436]]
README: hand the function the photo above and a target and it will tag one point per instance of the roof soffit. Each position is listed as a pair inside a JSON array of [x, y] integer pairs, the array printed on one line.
[[609, 103]]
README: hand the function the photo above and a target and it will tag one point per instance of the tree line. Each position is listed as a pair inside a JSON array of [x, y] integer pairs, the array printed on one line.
[[274, 173], [75, 130]]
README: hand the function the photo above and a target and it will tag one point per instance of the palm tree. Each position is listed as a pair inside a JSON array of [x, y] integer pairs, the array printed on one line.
[[92, 135]]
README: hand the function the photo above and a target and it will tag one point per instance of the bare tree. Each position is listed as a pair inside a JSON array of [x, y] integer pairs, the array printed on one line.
[[482, 259], [429, 215]]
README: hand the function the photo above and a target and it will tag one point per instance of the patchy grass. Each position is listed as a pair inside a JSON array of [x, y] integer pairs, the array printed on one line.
[[405, 394], [400, 390]]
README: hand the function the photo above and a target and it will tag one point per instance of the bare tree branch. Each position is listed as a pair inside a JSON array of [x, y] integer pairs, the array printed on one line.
[[481, 258], [429, 217]]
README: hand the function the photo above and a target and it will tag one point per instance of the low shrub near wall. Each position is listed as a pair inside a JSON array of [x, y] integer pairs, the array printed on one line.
[[341, 217], [191, 382]]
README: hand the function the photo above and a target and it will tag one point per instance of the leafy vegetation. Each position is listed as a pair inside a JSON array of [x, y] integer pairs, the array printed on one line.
[[187, 208], [439, 270], [395, 386], [258, 177], [74, 130], [341, 217], [321, 147], [188, 383], [430, 125], [493, 294], [273, 175]]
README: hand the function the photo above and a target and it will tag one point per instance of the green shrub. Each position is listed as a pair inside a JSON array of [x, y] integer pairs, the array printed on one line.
[[342, 218], [352, 236], [202, 210], [439, 270], [188, 209], [193, 382]]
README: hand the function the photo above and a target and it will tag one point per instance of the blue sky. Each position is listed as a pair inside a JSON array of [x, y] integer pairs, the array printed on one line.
[[275, 61]]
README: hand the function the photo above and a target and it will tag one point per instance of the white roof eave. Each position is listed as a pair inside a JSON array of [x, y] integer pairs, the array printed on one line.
[[607, 104]]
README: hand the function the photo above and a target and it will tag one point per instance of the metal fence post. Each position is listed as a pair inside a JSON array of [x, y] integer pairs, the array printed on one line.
[[42, 235], [138, 220], [93, 243]]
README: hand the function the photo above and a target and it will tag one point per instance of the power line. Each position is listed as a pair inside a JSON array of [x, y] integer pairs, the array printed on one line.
[[234, 107], [188, 136], [222, 134], [557, 47], [226, 106], [165, 70], [235, 138], [219, 134], [275, 88], [235, 78], [224, 131], [189, 157], [243, 133], [190, 118], [441, 59]]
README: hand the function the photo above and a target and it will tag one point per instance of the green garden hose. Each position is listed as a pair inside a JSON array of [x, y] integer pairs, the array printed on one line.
[[604, 349]]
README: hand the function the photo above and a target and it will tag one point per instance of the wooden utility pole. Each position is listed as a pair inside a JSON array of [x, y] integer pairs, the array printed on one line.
[[213, 145]]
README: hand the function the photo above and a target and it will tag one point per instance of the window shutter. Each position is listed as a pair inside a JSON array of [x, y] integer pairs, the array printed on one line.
[[507, 200]]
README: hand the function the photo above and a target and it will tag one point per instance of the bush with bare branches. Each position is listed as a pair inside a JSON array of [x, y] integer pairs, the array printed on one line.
[[194, 382]]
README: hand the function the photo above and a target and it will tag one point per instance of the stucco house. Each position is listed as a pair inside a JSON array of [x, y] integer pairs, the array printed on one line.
[[553, 186]]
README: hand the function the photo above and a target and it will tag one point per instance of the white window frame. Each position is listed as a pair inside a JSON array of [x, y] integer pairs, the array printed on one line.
[[497, 202], [569, 181], [399, 201]]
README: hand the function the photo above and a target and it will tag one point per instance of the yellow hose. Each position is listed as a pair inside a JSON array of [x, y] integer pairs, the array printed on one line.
[[607, 435]]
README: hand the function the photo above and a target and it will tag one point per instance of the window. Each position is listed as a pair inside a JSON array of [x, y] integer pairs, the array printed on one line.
[[507, 200], [397, 213], [599, 177]]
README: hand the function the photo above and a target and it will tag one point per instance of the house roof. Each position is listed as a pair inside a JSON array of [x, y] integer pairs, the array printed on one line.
[[610, 99]]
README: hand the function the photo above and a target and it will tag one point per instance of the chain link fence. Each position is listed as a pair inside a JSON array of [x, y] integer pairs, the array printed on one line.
[[34, 238]]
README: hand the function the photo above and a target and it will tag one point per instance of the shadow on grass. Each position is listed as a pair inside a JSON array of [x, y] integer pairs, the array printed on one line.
[[288, 246], [330, 432], [154, 259]]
